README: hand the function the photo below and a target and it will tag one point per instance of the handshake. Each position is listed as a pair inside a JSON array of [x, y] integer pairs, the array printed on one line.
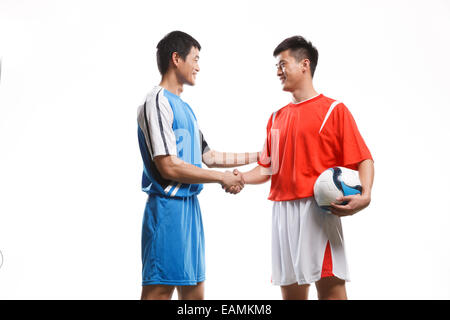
[[233, 182]]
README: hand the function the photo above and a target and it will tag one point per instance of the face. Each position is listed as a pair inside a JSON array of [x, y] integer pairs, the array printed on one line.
[[290, 72], [188, 68]]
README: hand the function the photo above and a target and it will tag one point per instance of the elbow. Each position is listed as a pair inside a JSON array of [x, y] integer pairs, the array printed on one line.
[[167, 173], [166, 168], [209, 159]]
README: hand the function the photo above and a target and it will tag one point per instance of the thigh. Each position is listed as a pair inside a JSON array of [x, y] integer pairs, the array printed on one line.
[[157, 292], [331, 288], [173, 246], [295, 292], [191, 292]]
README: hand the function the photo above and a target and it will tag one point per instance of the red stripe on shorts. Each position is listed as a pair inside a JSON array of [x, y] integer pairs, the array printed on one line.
[[327, 265]]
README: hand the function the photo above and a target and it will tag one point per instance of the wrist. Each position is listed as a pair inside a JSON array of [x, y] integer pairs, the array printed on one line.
[[220, 177]]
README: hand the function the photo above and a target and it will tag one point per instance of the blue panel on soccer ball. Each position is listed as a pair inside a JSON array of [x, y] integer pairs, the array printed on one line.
[[348, 191]]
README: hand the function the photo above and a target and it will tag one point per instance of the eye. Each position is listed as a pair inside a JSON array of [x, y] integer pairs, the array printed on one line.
[[280, 65]]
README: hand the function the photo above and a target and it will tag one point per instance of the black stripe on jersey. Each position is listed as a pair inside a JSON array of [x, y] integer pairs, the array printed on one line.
[[203, 143], [160, 123], [154, 170]]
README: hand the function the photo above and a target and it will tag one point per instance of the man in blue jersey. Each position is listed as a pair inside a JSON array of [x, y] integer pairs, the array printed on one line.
[[173, 149]]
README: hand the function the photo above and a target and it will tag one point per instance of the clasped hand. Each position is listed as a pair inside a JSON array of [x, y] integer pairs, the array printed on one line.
[[233, 182]]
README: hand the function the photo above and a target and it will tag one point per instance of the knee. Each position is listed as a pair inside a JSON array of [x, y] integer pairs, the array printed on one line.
[[156, 293], [331, 288]]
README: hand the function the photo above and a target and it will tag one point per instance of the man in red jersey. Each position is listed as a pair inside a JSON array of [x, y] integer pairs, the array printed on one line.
[[304, 138]]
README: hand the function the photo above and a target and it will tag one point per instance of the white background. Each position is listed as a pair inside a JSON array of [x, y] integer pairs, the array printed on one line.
[[74, 72]]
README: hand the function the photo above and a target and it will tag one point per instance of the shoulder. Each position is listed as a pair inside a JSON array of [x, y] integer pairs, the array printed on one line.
[[157, 96], [155, 102], [327, 101], [332, 104], [278, 112], [159, 99]]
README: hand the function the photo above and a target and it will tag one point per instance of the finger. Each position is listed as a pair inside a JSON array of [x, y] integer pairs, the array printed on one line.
[[342, 211], [338, 212], [339, 206], [236, 172]]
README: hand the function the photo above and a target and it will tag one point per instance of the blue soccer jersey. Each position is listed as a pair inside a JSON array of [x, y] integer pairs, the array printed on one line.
[[167, 126]]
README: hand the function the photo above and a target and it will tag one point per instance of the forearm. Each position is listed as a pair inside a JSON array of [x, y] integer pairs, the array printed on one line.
[[257, 175], [216, 159], [366, 175], [177, 170]]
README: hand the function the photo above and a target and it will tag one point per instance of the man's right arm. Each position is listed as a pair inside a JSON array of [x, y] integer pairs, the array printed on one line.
[[172, 168], [257, 175]]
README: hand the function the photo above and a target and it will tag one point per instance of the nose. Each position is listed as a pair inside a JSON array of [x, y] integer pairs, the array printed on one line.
[[280, 72]]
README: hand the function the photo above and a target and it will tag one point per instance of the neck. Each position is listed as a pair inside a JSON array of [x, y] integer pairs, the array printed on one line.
[[171, 83], [303, 93]]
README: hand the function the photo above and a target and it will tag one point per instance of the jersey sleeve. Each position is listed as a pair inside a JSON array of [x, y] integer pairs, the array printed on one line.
[[203, 144], [264, 159], [160, 120], [353, 148]]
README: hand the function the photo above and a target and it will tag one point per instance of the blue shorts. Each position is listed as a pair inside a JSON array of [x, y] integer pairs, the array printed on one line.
[[173, 245]]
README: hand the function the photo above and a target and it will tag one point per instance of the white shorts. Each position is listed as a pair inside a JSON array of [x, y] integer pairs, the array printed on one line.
[[307, 243]]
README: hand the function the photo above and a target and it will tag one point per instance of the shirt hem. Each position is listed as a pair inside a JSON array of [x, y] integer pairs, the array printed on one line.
[[263, 165], [290, 199], [174, 282], [304, 281], [163, 154]]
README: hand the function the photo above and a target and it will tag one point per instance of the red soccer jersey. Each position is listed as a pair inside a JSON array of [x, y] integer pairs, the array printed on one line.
[[306, 138]]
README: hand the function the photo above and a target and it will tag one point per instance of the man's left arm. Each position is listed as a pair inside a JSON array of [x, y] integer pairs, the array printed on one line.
[[357, 202], [216, 159]]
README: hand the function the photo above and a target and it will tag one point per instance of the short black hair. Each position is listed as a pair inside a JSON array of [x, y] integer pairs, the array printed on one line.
[[175, 41], [300, 49]]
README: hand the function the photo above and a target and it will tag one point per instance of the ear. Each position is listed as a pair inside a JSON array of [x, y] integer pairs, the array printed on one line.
[[175, 59], [305, 65]]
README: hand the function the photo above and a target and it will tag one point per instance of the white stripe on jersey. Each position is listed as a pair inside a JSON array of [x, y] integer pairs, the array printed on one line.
[[334, 104], [159, 115], [170, 186], [174, 192]]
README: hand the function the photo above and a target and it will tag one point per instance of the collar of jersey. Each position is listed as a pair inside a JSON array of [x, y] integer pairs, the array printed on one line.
[[170, 93], [307, 100]]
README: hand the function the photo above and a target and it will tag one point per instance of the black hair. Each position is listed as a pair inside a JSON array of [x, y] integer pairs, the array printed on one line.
[[176, 41], [300, 49]]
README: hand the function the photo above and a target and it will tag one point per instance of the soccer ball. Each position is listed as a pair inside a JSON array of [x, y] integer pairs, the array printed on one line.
[[333, 183]]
